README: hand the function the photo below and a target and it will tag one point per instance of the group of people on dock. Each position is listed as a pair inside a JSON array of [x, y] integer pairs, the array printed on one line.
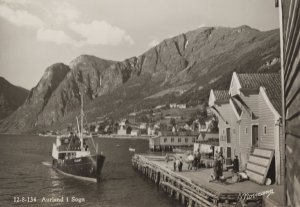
[[218, 167], [194, 160], [178, 163]]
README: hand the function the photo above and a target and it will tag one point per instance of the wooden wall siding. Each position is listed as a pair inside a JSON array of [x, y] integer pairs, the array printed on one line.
[[234, 126], [175, 142], [291, 67], [224, 110], [266, 118], [228, 114], [292, 170], [251, 99], [282, 154], [245, 139], [222, 137]]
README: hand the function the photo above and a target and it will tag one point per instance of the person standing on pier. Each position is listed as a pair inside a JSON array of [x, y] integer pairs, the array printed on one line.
[[180, 164], [217, 167], [220, 161], [190, 161], [198, 160], [177, 164], [174, 164]]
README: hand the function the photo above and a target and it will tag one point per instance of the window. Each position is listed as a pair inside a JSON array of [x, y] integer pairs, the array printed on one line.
[[172, 139], [179, 139], [265, 129], [228, 135], [233, 131], [186, 139], [246, 130], [193, 139], [228, 152], [165, 139]]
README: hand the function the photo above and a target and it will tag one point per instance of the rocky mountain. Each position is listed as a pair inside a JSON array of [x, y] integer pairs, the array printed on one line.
[[179, 69], [11, 97]]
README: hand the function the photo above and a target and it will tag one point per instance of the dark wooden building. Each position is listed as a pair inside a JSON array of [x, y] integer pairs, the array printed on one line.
[[289, 11]]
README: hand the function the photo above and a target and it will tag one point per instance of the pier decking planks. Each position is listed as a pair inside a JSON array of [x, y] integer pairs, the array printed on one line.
[[193, 187]]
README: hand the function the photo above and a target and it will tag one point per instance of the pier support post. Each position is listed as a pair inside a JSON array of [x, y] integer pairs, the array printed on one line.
[[183, 199], [177, 196], [158, 178], [190, 202]]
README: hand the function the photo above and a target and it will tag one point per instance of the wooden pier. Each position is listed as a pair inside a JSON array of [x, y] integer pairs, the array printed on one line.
[[192, 188]]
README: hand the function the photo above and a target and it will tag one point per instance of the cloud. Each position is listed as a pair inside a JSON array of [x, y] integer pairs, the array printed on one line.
[[20, 17], [56, 36], [92, 33], [21, 2], [64, 11], [201, 25], [153, 43], [101, 33]]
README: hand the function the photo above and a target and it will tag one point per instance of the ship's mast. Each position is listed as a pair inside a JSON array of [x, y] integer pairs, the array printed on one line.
[[81, 121]]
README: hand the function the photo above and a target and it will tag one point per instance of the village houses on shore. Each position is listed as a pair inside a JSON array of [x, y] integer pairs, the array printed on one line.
[[249, 115]]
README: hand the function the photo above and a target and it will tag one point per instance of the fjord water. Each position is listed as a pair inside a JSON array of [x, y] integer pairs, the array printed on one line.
[[25, 171]]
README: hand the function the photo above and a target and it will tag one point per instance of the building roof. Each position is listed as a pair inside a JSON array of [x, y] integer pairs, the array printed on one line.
[[274, 95], [236, 106], [221, 95], [270, 81], [256, 80]]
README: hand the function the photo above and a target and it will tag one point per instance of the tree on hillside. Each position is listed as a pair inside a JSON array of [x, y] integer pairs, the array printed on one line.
[[92, 128], [190, 121], [163, 127], [172, 122], [69, 128], [201, 113], [115, 127], [143, 118], [128, 130], [214, 125], [202, 116], [101, 128]]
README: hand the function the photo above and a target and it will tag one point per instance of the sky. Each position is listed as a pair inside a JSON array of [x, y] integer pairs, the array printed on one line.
[[35, 34]]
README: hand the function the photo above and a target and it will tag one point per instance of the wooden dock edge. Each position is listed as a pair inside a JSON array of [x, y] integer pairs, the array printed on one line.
[[183, 189]]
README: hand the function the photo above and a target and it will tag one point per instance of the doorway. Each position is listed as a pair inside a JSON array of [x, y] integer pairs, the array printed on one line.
[[254, 135]]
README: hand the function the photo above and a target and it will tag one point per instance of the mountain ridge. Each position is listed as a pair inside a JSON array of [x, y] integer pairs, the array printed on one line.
[[11, 97], [181, 69]]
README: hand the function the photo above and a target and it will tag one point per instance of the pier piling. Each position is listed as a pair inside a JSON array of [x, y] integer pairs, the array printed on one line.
[[181, 188]]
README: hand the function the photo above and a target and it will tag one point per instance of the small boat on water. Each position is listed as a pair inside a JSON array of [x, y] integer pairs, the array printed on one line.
[[76, 155], [131, 149]]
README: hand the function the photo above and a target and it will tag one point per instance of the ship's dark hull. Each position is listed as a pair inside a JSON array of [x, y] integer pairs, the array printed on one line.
[[85, 168]]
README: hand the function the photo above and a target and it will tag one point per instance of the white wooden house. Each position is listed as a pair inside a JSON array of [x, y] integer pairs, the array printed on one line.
[[135, 132], [229, 120], [257, 95], [249, 119], [270, 126]]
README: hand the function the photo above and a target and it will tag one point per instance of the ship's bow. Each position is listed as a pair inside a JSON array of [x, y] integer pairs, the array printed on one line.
[[100, 162]]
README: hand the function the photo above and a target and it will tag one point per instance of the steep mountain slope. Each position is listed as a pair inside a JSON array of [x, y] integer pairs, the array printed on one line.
[[181, 69], [57, 93], [11, 97], [184, 68]]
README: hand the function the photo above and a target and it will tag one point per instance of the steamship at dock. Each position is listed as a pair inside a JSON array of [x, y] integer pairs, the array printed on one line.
[[76, 155]]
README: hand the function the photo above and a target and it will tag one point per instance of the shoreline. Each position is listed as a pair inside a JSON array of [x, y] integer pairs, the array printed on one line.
[[94, 136], [122, 137]]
